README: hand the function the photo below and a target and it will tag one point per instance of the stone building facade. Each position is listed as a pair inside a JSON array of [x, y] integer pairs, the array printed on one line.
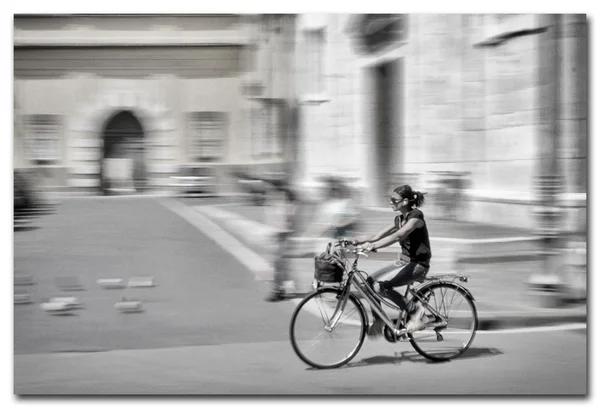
[[401, 98]]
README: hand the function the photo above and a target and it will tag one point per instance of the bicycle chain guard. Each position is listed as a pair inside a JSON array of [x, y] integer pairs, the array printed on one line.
[[389, 335]]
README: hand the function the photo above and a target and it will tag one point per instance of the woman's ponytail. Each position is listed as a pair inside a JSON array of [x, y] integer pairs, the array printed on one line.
[[415, 198], [419, 198]]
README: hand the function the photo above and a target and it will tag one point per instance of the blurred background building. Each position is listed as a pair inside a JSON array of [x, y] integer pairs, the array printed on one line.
[[490, 110], [112, 103]]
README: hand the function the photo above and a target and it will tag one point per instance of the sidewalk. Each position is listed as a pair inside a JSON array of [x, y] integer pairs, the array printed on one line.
[[459, 241], [500, 288]]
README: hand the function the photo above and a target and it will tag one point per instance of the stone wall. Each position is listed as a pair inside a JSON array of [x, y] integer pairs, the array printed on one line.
[[469, 102]]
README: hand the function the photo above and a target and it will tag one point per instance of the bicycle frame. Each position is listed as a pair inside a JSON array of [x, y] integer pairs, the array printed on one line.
[[356, 280]]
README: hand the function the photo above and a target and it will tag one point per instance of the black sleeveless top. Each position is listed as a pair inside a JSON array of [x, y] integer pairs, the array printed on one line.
[[416, 245]]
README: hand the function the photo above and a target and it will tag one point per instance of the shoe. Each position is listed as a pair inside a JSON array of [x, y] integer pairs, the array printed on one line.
[[376, 329], [276, 296], [418, 320]]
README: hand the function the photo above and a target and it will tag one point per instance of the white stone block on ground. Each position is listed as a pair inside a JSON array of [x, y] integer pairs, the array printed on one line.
[[112, 283], [141, 282], [72, 302], [57, 308]]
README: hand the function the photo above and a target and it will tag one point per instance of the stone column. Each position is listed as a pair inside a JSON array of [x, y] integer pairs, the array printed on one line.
[[573, 119], [547, 283], [573, 108], [573, 151]]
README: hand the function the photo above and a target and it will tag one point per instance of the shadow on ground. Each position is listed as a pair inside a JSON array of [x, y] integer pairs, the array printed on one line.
[[414, 357]]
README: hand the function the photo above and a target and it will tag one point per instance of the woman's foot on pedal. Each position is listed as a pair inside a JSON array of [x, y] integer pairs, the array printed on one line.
[[418, 320]]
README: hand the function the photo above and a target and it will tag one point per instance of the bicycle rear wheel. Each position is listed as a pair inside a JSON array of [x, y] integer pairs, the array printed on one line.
[[319, 347], [439, 341]]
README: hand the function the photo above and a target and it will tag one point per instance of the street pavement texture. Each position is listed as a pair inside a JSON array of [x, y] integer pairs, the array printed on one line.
[[510, 364], [202, 294], [205, 328]]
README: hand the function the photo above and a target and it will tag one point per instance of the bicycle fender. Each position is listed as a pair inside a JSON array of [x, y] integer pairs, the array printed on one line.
[[426, 285]]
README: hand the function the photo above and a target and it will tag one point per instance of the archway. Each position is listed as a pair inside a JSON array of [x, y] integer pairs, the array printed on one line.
[[123, 159]]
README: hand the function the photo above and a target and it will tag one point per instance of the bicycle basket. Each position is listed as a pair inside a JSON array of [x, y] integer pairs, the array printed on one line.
[[329, 268]]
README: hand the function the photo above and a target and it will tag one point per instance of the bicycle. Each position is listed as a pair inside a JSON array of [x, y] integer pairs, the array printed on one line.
[[334, 315]]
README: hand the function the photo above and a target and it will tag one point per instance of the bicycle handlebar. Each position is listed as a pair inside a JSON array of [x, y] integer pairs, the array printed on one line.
[[358, 250]]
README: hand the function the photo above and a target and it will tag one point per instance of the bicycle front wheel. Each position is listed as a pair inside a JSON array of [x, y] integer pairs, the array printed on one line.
[[314, 339], [447, 338]]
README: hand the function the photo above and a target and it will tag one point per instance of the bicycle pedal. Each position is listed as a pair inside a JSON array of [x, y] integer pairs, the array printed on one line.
[[437, 325], [401, 332]]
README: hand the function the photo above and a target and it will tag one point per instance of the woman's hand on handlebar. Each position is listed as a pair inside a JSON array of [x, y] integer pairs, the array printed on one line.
[[364, 247], [368, 247]]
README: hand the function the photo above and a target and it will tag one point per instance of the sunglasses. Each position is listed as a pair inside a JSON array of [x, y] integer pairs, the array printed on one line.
[[395, 201]]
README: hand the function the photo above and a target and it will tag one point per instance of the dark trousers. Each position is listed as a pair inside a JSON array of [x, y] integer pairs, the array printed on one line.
[[400, 273]]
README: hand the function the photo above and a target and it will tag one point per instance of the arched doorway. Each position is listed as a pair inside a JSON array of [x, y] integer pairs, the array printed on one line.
[[123, 165]]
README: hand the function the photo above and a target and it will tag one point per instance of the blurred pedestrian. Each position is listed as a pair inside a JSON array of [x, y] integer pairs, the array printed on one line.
[[283, 216], [337, 217], [254, 187]]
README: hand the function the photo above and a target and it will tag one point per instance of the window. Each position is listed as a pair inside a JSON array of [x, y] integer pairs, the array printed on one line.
[[315, 53], [267, 140], [381, 31], [208, 132], [42, 137]]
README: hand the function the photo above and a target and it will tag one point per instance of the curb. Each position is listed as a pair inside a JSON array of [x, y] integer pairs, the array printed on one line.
[[494, 321]]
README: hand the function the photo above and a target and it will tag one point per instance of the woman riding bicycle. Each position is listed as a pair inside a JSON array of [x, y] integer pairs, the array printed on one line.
[[410, 231]]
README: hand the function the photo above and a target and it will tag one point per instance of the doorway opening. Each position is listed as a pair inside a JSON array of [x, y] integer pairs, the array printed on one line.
[[123, 168]]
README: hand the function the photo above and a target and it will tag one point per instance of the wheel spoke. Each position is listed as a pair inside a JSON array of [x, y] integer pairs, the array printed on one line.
[[444, 303], [347, 316], [325, 318], [327, 348], [452, 304], [316, 339]]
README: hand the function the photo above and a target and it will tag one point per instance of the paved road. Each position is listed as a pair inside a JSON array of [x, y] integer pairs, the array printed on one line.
[[201, 292], [498, 363], [207, 330]]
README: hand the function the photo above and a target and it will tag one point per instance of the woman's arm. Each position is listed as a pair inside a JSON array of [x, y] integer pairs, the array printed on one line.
[[371, 238], [401, 234]]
